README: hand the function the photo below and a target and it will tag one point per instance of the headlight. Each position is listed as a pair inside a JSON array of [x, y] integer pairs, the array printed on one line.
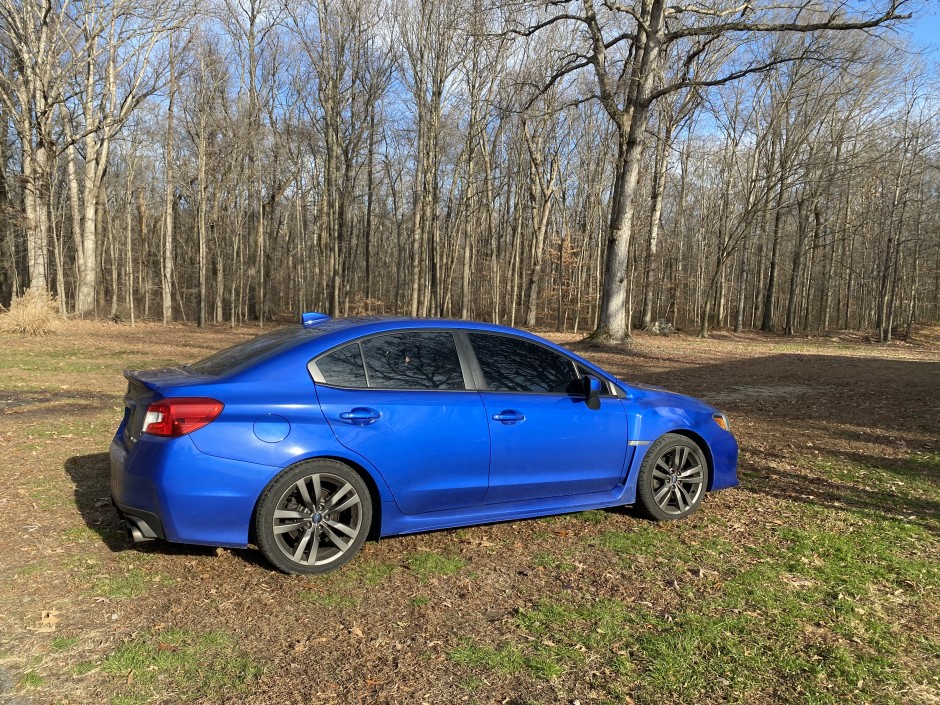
[[722, 421]]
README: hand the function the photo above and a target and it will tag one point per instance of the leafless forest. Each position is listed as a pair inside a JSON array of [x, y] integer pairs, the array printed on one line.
[[579, 165]]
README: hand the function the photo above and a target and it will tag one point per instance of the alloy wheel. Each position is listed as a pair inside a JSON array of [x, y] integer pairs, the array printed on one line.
[[318, 519]]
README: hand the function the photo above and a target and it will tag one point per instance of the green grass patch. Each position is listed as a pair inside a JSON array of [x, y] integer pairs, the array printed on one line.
[[427, 564], [80, 533], [643, 540], [507, 658], [591, 516], [546, 559], [132, 582], [184, 664], [51, 494], [61, 643], [131, 576], [372, 572], [31, 679], [83, 667], [31, 569], [919, 472]]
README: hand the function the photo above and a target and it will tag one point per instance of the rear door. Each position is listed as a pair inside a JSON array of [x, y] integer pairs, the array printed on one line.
[[545, 441], [401, 400]]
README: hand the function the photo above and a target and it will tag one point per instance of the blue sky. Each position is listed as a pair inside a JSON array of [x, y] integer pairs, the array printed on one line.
[[925, 26]]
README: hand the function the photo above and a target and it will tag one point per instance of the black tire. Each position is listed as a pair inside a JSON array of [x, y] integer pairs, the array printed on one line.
[[313, 517], [672, 478]]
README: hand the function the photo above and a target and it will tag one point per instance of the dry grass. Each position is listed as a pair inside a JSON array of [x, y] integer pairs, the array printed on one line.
[[35, 313]]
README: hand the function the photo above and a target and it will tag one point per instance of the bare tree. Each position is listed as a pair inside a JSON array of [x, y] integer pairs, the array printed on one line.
[[624, 45]]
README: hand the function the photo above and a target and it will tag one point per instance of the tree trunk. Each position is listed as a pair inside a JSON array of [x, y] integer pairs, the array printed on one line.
[[169, 195]]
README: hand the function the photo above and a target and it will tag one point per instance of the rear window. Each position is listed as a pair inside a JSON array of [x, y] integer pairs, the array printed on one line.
[[413, 361], [343, 368], [252, 350], [409, 360]]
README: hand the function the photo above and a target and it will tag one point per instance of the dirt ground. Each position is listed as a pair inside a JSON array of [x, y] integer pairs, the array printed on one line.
[[814, 581]]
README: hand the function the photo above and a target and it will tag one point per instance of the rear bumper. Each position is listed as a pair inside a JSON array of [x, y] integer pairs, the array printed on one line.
[[165, 488]]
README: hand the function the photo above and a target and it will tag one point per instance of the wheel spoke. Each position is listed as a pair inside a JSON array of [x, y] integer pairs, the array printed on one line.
[[659, 474], [661, 494], [302, 545], [679, 457], [677, 493], [334, 537], [684, 495], [347, 504], [317, 489], [348, 530], [691, 480], [331, 505], [314, 548], [301, 485], [288, 514], [284, 528], [691, 471], [662, 464]]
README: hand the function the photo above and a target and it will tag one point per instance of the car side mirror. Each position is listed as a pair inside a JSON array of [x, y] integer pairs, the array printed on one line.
[[592, 392]]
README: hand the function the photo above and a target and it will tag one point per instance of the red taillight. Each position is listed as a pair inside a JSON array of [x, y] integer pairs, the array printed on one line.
[[177, 417]]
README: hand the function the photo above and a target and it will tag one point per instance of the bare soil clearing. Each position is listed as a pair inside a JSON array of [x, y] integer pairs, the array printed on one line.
[[815, 581]]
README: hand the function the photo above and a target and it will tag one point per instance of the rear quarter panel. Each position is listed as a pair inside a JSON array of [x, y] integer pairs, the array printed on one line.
[[281, 398]]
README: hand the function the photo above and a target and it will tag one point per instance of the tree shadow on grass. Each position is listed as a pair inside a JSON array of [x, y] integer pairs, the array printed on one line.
[[891, 501], [871, 424]]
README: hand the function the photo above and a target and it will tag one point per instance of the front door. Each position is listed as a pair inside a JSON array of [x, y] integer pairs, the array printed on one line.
[[544, 440]]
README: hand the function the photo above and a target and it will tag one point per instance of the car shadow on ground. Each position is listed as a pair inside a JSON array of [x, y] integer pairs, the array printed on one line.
[[89, 475]]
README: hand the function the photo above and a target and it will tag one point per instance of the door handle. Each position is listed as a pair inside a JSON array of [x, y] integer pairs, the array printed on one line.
[[508, 416], [360, 416]]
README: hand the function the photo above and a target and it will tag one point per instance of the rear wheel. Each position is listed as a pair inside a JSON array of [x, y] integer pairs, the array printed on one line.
[[313, 517], [672, 478]]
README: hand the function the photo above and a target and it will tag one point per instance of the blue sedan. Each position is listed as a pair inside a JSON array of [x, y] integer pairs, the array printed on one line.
[[311, 438]]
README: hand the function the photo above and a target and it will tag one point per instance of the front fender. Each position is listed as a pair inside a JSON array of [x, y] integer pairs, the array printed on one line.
[[649, 417]]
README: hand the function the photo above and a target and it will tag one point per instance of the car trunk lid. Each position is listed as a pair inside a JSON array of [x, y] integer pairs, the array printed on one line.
[[146, 386]]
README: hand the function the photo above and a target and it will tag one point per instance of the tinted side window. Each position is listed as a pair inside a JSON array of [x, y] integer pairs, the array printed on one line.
[[413, 361], [514, 365], [343, 367]]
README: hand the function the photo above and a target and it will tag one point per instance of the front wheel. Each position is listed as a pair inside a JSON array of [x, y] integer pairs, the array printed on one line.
[[672, 477], [313, 517]]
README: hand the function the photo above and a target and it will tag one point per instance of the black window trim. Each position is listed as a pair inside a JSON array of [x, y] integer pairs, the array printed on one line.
[[468, 379]]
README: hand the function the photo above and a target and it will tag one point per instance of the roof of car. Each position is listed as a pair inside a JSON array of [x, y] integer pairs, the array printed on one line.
[[377, 323]]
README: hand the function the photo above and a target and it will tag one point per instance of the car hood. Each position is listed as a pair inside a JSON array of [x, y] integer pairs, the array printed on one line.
[[658, 396]]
